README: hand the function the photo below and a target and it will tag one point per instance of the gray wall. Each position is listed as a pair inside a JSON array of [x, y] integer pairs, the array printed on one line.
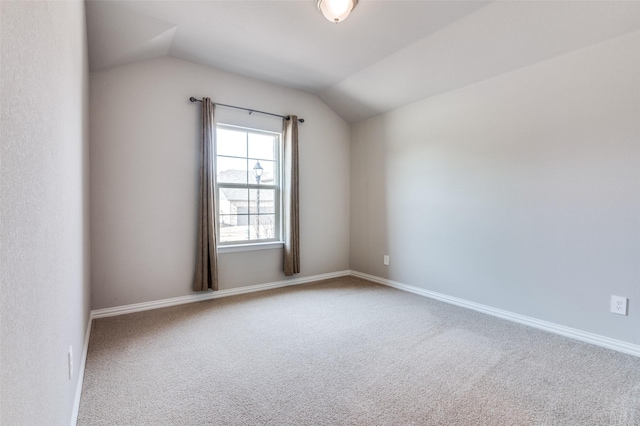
[[44, 208], [521, 192], [144, 177]]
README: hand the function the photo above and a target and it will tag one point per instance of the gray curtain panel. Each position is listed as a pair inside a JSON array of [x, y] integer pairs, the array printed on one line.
[[207, 256], [290, 196]]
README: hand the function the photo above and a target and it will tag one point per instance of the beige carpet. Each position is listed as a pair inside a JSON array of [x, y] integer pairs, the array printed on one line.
[[346, 352]]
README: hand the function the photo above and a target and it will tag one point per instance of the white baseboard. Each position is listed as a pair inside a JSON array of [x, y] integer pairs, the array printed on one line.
[[595, 339], [83, 362], [145, 306]]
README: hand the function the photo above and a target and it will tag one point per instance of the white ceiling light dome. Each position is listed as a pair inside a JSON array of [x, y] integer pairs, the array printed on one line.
[[336, 10]]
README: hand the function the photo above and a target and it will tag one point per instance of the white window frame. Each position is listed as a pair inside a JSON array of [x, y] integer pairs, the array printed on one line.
[[241, 245]]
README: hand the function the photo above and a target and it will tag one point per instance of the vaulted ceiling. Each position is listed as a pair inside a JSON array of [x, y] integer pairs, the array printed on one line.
[[387, 54]]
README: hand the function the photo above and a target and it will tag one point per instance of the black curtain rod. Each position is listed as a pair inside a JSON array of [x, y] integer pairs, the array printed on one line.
[[301, 120]]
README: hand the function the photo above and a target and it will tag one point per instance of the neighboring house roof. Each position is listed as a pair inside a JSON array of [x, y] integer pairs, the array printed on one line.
[[240, 176]]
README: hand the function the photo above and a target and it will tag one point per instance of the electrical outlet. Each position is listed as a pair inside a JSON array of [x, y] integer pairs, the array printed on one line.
[[70, 360], [619, 305], [386, 259]]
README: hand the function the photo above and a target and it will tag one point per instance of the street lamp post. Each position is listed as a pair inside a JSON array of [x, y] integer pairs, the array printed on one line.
[[257, 172]]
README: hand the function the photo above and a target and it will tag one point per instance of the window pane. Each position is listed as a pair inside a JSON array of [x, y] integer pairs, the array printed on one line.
[[232, 143], [234, 227], [262, 200], [232, 201], [267, 177], [262, 146], [262, 226], [231, 170]]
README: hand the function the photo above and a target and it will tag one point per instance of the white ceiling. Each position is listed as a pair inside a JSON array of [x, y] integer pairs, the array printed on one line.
[[387, 54]]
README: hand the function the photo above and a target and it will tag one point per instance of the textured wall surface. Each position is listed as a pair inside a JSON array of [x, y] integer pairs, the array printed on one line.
[[521, 192], [144, 179], [44, 209]]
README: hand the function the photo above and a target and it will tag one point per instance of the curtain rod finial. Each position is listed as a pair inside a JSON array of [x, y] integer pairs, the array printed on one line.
[[192, 99]]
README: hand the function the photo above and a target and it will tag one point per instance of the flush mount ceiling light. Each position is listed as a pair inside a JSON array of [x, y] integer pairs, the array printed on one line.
[[336, 10]]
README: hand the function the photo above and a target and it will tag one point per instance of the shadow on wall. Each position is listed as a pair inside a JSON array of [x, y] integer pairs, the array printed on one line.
[[370, 199]]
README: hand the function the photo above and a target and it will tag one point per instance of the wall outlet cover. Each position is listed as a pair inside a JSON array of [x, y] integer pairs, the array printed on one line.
[[70, 360], [619, 305]]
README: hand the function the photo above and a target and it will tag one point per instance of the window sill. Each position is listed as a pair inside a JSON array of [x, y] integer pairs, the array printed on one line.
[[250, 247]]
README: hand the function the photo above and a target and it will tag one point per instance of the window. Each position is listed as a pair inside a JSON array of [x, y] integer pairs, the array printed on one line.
[[247, 185]]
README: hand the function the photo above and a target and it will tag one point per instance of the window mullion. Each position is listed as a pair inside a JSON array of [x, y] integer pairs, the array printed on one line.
[[250, 186]]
